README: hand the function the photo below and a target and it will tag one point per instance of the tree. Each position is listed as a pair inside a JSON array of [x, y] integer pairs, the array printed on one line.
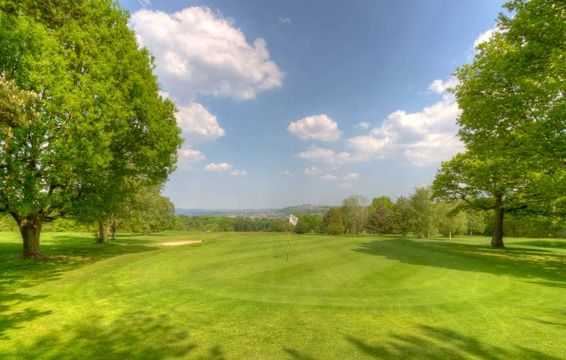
[[381, 216], [403, 215], [423, 222], [513, 117], [308, 223], [493, 184], [146, 212], [333, 222], [476, 221], [450, 219], [354, 214], [96, 116]]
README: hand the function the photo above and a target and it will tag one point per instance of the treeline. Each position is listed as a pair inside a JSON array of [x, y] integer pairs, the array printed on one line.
[[415, 215]]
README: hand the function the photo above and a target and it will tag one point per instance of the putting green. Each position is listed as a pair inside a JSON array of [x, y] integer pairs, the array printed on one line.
[[237, 296]]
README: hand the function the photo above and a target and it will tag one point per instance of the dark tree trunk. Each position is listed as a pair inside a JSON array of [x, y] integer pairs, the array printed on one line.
[[30, 230], [113, 228], [497, 238], [102, 235]]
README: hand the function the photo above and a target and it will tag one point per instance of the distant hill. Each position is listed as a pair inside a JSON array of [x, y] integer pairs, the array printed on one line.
[[267, 213]]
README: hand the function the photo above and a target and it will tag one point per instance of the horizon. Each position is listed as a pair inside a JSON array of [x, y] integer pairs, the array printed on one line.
[[286, 104]]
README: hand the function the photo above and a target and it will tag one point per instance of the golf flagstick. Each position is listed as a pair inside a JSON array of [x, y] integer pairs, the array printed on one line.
[[293, 220]]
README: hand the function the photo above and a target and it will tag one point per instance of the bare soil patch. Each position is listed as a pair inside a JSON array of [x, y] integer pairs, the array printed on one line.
[[181, 243]]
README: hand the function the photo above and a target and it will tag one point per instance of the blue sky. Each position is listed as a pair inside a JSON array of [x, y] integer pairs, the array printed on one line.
[[292, 102]]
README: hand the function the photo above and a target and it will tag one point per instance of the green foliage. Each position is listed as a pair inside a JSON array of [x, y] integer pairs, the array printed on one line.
[[354, 214], [381, 216], [308, 224], [450, 219], [423, 213], [333, 222], [146, 212], [403, 216], [513, 117], [99, 123]]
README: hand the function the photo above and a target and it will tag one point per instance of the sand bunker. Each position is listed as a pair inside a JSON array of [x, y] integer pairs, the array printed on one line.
[[181, 243]]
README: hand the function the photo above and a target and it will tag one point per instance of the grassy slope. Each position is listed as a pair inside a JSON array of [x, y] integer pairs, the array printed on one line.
[[237, 297]]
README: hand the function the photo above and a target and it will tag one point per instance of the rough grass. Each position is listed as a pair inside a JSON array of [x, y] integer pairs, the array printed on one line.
[[237, 296]]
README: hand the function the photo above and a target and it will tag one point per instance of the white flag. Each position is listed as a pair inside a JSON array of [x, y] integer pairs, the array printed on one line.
[[293, 220]]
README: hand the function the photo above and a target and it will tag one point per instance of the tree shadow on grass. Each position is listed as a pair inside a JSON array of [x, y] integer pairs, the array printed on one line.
[[434, 343], [297, 355], [518, 262], [63, 253], [553, 244], [130, 336]]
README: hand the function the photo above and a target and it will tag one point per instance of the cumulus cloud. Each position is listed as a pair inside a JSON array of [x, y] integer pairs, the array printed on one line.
[[197, 123], [318, 127], [352, 177], [198, 51], [425, 137], [312, 171], [324, 155], [485, 37], [239, 173], [363, 125], [190, 155], [329, 177], [367, 145], [344, 178], [220, 167], [443, 86]]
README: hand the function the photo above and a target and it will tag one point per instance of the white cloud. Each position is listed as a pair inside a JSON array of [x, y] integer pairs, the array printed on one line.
[[424, 137], [190, 155], [286, 173], [329, 177], [443, 86], [348, 178], [363, 125], [198, 51], [312, 171], [485, 37], [239, 173], [324, 155], [144, 3], [365, 146], [318, 127], [285, 20], [220, 167], [352, 177], [197, 123]]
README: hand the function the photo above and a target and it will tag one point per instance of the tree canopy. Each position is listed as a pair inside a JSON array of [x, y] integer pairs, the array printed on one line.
[[98, 118]]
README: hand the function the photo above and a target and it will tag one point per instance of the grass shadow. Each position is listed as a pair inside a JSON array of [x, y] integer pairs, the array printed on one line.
[[63, 253], [130, 336], [553, 244], [435, 343], [523, 263]]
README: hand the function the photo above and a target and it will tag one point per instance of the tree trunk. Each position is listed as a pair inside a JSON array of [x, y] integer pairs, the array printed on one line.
[[102, 235], [497, 239], [30, 230], [113, 228]]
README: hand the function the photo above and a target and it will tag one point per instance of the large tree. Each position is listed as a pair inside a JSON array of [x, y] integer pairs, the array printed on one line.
[[492, 184], [513, 117], [94, 118], [513, 99]]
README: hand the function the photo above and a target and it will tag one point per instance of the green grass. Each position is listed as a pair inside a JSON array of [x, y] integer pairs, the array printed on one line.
[[237, 297]]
